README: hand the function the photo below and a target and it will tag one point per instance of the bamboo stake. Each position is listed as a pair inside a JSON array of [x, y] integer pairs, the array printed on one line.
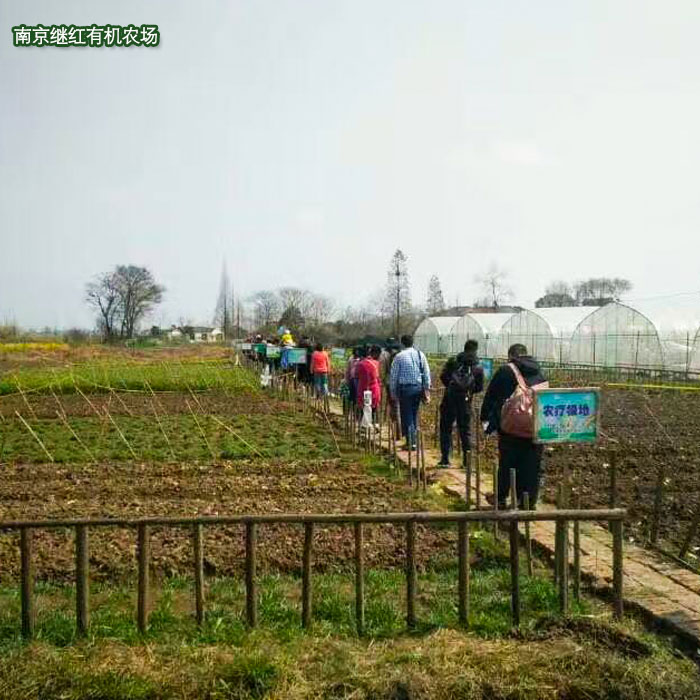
[[201, 430], [528, 540], [63, 418], [25, 399], [121, 434], [236, 435], [36, 437], [162, 430]]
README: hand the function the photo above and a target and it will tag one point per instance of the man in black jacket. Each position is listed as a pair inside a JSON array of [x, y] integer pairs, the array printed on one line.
[[518, 453], [462, 377]]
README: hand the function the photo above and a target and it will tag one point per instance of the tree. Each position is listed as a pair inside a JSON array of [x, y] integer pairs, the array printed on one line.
[[436, 302], [224, 315], [494, 284], [598, 291], [123, 297], [103, 295], [556, 294], [266, 305], [397, 295]]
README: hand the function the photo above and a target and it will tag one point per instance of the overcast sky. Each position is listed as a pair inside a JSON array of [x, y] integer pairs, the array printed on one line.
[[304, 140]]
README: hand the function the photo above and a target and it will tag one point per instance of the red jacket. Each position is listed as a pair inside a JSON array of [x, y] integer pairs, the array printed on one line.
[[320, 363], [368, 380]]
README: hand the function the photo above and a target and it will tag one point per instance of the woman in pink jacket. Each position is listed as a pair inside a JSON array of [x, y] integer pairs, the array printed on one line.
[[368, 378]]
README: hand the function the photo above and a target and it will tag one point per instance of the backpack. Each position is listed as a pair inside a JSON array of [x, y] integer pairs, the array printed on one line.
[[517, 414], [462, 380]]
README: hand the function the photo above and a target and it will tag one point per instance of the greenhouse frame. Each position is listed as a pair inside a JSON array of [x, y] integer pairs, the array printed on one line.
[[649, 334], [485, 328], [434, 335], [545, 332]]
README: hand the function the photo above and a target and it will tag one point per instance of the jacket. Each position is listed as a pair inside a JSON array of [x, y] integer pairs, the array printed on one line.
[[471, 361], [502, 387]]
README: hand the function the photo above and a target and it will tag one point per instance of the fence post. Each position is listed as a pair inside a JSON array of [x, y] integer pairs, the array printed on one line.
[[463, 558], [411, 574], [658, 498], [528, 541], [82, 580], [143, 555], [359, 580], [514, 555], [306, 575], [197, 536], [495, 497], [27, 582], [577, 553], [251, 595], [617, 567]]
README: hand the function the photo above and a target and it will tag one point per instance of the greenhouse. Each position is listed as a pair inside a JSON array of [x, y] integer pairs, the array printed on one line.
[[485, 328], [644, 334], [545, 332], [433, 335]]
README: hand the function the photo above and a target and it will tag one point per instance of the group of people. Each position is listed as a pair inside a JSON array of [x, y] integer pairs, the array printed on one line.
[[463, 377], [401, 372]]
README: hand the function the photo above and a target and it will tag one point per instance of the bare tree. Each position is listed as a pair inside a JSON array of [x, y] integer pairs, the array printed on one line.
[[224, 315], [436, 302], [138, 294], [494, 283], [320, 309], [397, 295], [103, 295], [123, 297], [267, 309]]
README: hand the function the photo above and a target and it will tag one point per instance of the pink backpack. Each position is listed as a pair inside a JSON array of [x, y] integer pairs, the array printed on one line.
[[517, 415]]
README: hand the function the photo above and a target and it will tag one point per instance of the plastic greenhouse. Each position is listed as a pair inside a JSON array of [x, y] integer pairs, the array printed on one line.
[[483, 327], [433, 335], [645, 334], [545, 332]]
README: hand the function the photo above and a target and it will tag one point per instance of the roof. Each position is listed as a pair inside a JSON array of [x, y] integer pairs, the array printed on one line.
[[490, 323], [680, 314], [443, 324], [562, 320]]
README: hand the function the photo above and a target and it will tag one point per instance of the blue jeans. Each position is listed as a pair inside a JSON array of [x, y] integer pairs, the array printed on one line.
[[321, 384], [409, 403]]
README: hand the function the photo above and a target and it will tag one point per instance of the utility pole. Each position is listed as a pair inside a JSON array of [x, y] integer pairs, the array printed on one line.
[[397, 274]]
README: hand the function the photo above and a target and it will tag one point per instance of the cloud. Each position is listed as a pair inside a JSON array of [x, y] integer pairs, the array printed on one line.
[[519, 152]]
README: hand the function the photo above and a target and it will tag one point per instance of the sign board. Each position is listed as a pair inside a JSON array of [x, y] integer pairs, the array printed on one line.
[[246, 346], [273, 351], [260, 348], [296, 356], [338, 353], [487, 365], [567, 415]]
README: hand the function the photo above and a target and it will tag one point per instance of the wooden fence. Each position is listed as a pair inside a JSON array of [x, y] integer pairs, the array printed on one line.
[[251, 523]]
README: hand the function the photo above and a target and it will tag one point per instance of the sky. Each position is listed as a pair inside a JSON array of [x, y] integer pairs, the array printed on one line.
[[303, 141]]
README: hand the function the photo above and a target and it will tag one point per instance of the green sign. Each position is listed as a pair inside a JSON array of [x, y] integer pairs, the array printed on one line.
[[296, 356], [273, 351], [567, 415], [260, 348], [338, 353]]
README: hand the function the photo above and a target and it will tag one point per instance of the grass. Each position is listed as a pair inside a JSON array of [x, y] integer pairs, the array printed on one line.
[[583, 656], [103, 375], [270, 435]]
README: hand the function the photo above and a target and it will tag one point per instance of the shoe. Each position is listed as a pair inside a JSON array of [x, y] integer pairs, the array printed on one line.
[[443, 465]]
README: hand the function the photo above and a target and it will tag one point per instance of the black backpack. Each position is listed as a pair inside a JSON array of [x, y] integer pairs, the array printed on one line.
[[462, 380]]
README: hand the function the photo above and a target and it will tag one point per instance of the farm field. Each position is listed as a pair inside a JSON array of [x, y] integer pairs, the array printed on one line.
[[155, 432], [655, 434]]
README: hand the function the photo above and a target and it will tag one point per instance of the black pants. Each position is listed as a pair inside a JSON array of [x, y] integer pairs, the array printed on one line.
[[525, 457], [454, 407]]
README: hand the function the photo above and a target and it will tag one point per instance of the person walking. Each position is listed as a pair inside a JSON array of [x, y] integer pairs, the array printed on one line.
[[409, 384], [368, 380], [320, 367], [517, 452], [462, 377]]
